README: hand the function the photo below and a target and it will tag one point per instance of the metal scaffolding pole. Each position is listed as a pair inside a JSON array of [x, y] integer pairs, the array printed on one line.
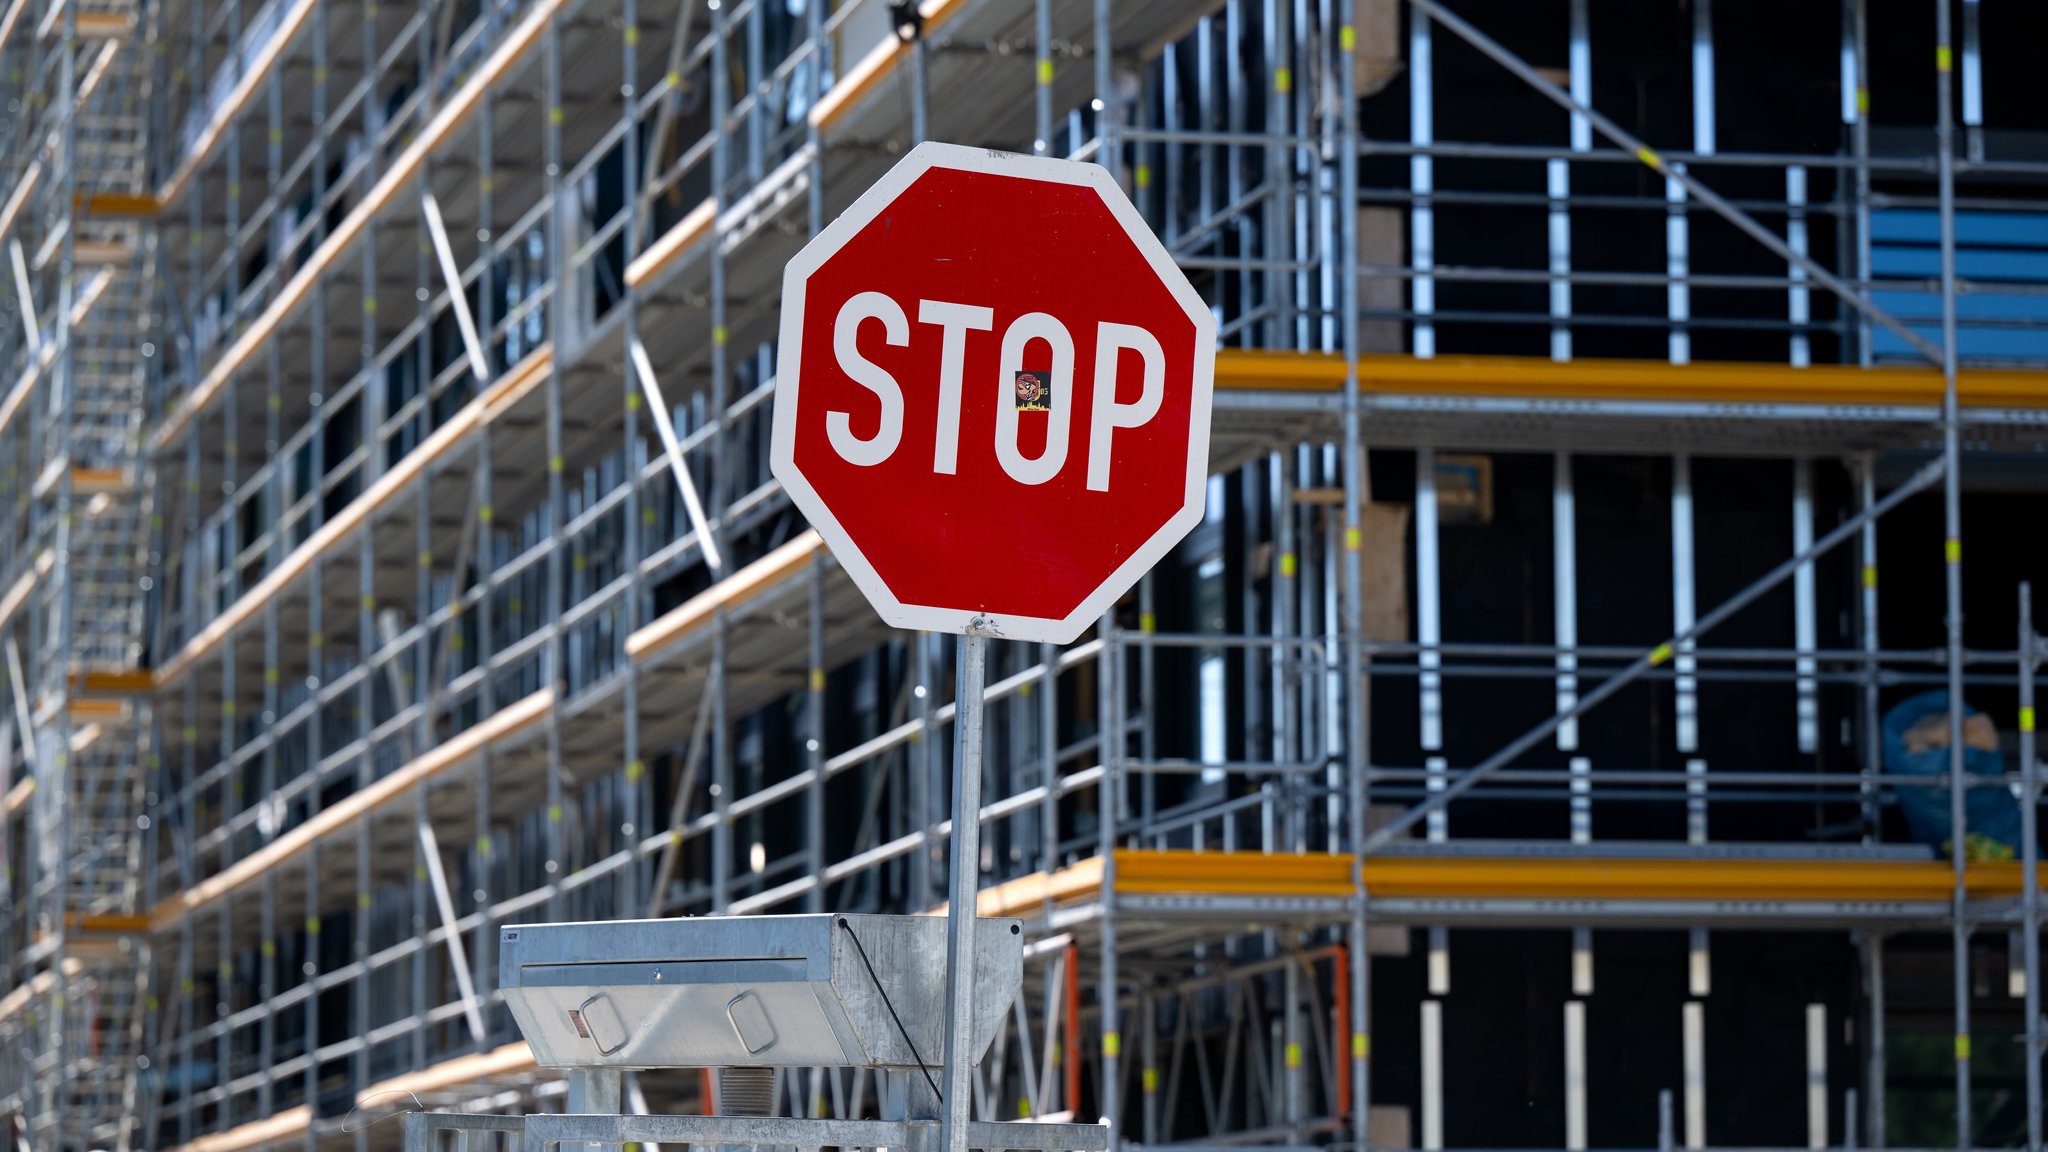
[[1952, 523], [2030, 861], [1357, 759]]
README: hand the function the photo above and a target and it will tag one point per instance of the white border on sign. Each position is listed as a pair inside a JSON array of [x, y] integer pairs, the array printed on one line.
[[789, 372]]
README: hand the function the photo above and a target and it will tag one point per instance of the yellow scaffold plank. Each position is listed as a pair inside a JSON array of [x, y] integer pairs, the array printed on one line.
[[105, 25], [289, 1122], [38, 985], [1480, 878], [507, 722], [93, 481], [1522, 377], [18, 592], [1028, 894], [23, 188], [515, 1059], [511, 1060], [90, 709], [108, 922], [17, 797], [118, 205], [1232, 874], [113, 682], [506, 391], [663, 253], [1240, 874], [742, 586]]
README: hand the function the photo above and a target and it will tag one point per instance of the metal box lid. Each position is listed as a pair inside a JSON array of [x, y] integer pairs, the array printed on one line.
[[740, 991]]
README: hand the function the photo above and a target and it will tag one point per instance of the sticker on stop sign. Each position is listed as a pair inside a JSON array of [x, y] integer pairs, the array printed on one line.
[[993, 391]]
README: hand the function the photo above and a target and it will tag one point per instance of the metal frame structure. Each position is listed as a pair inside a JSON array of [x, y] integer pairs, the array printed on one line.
[[471, 600]]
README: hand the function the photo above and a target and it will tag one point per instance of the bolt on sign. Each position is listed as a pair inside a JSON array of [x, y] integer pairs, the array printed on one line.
[[993, 394]]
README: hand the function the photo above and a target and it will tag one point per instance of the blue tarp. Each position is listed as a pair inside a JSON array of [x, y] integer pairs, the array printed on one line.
[[1992, 815]]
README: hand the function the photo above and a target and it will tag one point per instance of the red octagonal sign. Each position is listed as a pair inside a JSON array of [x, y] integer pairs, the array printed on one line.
[[993, 393]]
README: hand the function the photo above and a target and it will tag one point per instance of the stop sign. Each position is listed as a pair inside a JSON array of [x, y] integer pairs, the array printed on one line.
[[992, 399]]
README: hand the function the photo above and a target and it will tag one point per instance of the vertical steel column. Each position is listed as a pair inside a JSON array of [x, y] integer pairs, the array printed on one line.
[[1275, 230], [1110, 689], [721, 482], [1579, 58], [1110, 714], [1281, 659], [1855, 115], [1564, 594], [58, 775], [2030, 860], [561, 267], [630, 161], [1703, 77], [1874, 1053], [757, 92], [1798, 297], [1294, 1075], [223, 1048], [416, 682], [1677, 264], [487, 704], [1973, 80], [1678, 231], [1683, 606], [1049, 755], [1437, 830], [920, 92], [1693, 1038], [1575, 1075], [1148, 700], [316, 647], [1816, 1076], [1699, 959], [1355, 699], [1432, 1076], [1805, 627], [1871, 763], [1421, 183], [963, 904], [1041, 144], [814, 745], [920, 763], [1952, 520], [188, 874], [1148, 1056], [814, 29], [1428, 608], [266, 1044]]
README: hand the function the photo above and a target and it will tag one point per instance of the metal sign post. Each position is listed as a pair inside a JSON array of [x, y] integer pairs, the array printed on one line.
[[962, 902]]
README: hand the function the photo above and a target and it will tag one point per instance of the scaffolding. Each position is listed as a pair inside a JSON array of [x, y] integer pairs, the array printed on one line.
[[78, 737], [391, 542]]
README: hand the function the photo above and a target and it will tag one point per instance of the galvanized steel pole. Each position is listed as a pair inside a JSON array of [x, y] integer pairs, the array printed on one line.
[[2030, 859], [1952, 552], [964, 890], [1352, 645]]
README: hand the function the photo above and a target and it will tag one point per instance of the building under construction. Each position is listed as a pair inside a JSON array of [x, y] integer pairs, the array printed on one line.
[[1517, 755]]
